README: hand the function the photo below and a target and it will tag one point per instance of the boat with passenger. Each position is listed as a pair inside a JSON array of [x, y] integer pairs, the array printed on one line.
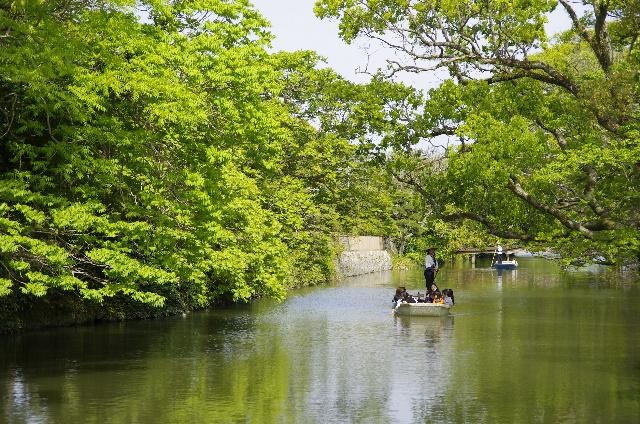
[[505, 264], [433, 304], [502, 261]]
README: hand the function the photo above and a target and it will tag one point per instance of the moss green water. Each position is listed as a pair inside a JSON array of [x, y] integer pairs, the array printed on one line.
[[535, 345]]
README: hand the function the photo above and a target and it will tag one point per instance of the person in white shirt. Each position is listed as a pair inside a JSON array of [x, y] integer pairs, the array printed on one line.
[[430, 267]]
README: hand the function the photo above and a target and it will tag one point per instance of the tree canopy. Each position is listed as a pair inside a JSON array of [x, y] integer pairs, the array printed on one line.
[[548, 149], [156, 153]]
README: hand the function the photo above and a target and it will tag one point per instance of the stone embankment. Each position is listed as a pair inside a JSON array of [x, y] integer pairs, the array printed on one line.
[[363, 255]]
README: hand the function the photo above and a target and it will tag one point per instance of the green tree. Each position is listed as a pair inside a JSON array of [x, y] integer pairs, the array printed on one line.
[[547, 128], [155, 157], [124, 151]]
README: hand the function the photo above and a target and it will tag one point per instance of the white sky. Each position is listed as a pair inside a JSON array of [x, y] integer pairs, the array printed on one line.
[[297, 28]]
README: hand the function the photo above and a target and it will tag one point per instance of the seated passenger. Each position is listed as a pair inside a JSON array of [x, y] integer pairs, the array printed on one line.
[[431, 289], [448, 296], [399, 294], [433, 293], [409, 298]]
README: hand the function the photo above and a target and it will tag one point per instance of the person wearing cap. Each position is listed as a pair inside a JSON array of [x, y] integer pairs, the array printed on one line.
[[430, 267]]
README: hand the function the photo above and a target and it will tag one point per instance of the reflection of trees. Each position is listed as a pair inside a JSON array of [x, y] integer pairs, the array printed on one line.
[[338, 376], [432, 329], [546, 356], [236, 367], [15, 397], [380, 278], [430, 372], [217, 377]]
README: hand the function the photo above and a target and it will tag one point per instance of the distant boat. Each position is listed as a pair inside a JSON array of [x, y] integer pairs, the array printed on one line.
[[422, 309], [498, 263]]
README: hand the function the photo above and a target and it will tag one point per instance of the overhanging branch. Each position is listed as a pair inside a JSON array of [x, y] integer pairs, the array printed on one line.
[[516, 188], [490, 227]]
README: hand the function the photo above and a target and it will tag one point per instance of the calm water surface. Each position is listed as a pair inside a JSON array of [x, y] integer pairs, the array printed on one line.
[[536, 345]]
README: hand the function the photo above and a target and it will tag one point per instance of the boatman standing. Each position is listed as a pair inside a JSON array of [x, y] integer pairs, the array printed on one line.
[[430, 267]]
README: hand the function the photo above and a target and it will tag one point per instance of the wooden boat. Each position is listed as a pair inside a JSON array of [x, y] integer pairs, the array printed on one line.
[[422, 309], [505, 264]]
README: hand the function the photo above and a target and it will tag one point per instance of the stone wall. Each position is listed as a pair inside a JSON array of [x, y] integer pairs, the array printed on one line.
[[363, 255], [362, 244]]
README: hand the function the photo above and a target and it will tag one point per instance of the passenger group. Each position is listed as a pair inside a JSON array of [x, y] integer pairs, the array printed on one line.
[[433, 295]]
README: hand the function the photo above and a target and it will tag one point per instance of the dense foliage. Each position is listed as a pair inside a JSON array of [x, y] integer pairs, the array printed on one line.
[[156, 153], [548, 150], [156, 157]]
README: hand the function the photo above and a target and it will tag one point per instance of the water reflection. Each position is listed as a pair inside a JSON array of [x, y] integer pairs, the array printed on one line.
[[520, 345], [433, 328], [511, 276]]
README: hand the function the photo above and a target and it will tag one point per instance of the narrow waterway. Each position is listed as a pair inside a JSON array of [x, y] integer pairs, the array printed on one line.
[[536, 345]]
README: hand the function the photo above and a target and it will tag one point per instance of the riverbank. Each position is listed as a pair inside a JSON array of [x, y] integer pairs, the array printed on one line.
[[356, 255], [62, 309]]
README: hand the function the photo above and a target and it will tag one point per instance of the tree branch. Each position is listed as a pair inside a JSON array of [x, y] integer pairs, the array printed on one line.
[[13, 114], [600, 43], [606, 223], [562, 142], [577, 25], [412, 182], [553, 76], [491, 228], [600, 225], [517, 189]]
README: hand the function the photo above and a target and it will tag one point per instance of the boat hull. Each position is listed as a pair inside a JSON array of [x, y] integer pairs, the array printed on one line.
[[506, 265], [422, 309]]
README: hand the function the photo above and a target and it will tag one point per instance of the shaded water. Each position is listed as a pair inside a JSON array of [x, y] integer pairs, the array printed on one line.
[[534, 345]]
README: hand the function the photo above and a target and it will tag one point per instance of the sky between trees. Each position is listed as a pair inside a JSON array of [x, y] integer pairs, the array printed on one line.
[[297, 28]]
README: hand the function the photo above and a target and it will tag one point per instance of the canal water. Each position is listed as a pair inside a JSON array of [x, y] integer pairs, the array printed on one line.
[[536, 345]]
